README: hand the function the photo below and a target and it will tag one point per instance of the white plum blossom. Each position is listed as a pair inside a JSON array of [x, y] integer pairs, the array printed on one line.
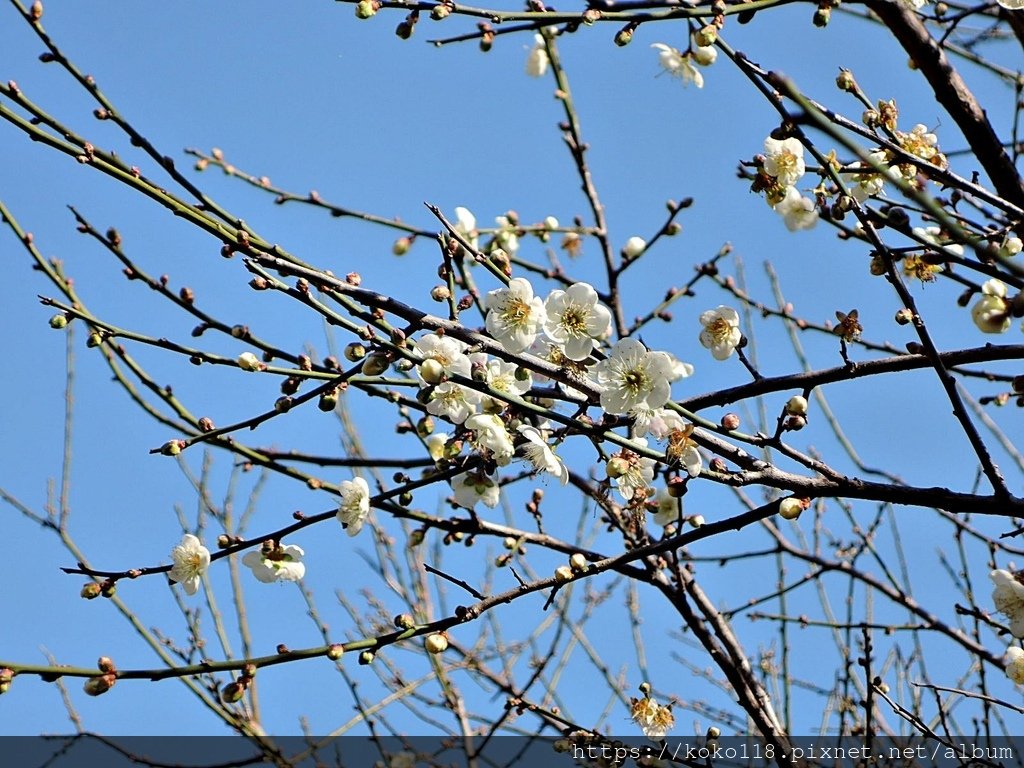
[[921, 142], [864, 181], [447, 352], [721, 332], [784, 160], [355, 504], [678, 64], [280, 564], [632, 375], [655, 721], [501, 376], [669, 508], [436, 443], [453, 402], [506, 236], [575, 320], [539, 453], [1008, 597], [465, 225], [657, 422], [490, 434], [1013, 661], [636, 473], [191, 559], [992, 312], [680, 370], [798, 212], [683, 449], [514, 315], [933, 236], [473, 487], [537, 60]]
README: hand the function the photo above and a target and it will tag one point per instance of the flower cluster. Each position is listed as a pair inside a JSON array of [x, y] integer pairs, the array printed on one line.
[[573, 320], [780, 169], [680, 64], [654, 719]]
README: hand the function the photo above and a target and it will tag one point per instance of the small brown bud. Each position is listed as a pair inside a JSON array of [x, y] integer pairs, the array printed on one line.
[[730, 421]]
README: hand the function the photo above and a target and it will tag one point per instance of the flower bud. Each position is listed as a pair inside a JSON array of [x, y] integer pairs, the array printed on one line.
[[232, 693], [91, 590], [172, 447], [59, 321], [96, 686], [367, 657], [617, 466], [624, 36], [328, 401], [335, 651], [634, 247], [822, 17], [797, 405], [697, 521], [375, 364], [355, 352], [706, 36], [563, 573], [845, 81], [791, 508], [440, 293], [432, 371], [404, 621], [106, 665], [730, 421], [366, 8], [578, 562], [94, 340], [436, 643], [795, 423], [713, 733], [247, 361], [401, 246]]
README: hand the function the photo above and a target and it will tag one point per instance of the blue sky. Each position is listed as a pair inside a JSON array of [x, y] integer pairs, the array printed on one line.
[[315, 99]]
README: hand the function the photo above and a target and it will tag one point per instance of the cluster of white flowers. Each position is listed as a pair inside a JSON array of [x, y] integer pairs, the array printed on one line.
[[1008, 597], [782, 168], [680, 64], [574, 320], [655, 720]]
